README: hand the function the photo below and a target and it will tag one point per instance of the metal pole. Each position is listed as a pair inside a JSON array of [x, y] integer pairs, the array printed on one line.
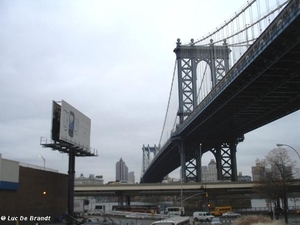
[[71, 174], [200, 163], [181, 194], [280, 145], [44, 161]]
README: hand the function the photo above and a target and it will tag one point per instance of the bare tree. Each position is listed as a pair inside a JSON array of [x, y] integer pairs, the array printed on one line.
[[278, 172]]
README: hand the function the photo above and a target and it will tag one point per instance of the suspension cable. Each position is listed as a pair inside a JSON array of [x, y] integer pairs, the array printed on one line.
[[226, 23], [254, 23], [170, 94], [257, 22], [201, 83]]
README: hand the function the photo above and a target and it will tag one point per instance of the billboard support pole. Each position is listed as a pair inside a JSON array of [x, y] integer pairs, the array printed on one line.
[[71, 173]]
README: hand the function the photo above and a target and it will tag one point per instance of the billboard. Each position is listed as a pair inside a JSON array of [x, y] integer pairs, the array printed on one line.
[[70, 125], [55, 121], [75, 127]]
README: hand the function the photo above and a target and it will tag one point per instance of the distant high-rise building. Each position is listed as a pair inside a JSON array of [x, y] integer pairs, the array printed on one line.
[[131, 178], [258, 172], [209, 172], [121, 171]]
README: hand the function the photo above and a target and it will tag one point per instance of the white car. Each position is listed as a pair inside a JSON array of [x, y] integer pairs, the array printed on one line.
[[231, 214], [216, 221]]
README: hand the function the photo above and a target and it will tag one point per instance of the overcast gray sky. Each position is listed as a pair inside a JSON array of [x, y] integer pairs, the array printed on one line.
[[113, 61]]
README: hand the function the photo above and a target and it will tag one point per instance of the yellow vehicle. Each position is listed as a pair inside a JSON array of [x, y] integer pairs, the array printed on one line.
[[220, 210]]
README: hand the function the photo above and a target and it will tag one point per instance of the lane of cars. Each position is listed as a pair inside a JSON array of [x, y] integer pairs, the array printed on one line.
[[198, 216], [213, 220]]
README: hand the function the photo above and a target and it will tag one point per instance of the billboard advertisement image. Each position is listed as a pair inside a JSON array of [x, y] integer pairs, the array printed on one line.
[[75, 127]]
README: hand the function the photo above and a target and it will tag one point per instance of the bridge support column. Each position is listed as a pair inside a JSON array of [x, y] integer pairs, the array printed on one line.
[[233, 161], [218, 156], [182, 162], [225, 154], [198, 156]]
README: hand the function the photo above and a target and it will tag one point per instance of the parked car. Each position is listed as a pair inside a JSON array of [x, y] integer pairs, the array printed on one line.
[[231, 214], [216, 221]]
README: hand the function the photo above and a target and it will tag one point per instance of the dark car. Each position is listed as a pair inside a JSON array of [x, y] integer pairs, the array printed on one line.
[[278, 211]]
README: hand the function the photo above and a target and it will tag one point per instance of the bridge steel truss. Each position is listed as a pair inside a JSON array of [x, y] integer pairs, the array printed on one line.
[[188, 58]]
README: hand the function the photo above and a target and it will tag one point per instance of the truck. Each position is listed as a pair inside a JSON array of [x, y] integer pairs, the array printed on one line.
[[87, 206], [83, 206]]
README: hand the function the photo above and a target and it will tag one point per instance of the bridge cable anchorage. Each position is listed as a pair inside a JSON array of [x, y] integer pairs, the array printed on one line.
[[168, 105]]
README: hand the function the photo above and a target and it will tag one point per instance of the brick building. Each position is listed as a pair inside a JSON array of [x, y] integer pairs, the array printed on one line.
[[27, 192]]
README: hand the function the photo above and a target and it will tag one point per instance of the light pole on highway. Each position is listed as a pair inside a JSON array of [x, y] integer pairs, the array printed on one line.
[[280, 145], [43, 160]]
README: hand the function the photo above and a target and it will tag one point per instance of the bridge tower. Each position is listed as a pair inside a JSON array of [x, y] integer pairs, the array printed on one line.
[[147, 150], [217, 58]]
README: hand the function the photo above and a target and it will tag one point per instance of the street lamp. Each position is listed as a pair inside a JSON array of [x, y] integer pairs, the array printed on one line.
[[280, 145], [43, 160]]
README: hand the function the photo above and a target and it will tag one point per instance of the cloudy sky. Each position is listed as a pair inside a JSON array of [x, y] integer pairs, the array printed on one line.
[[113, 61]]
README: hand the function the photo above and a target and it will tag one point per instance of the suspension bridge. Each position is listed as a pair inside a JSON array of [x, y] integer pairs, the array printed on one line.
[[242, 75]]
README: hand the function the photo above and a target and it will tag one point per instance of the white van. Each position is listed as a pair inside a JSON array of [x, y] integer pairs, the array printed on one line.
[[175, 211], [202, 216]]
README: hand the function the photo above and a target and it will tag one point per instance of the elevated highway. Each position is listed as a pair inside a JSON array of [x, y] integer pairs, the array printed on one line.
[[173, 189], [162, 189]]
